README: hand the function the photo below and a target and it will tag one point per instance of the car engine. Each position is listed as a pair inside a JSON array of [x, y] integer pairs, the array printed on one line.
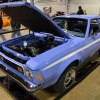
[[34, 49]]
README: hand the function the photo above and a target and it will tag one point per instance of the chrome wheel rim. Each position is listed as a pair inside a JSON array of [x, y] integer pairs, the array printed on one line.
[[70, 77]]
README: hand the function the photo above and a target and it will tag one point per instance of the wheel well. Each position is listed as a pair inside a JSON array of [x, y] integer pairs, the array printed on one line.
[[76, 62]]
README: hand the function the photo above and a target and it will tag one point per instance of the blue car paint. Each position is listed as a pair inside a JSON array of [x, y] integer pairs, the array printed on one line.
[[40, 63], [19, 74], [60, 67], [35, 82]]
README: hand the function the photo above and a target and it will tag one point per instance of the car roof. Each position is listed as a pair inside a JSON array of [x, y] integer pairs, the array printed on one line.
[[80, 16]]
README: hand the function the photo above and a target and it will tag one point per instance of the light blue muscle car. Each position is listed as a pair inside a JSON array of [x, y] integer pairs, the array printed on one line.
[[50, 55]]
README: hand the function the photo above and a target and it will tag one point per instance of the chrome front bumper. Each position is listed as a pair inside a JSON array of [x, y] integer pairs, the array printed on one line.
[[23, 82]]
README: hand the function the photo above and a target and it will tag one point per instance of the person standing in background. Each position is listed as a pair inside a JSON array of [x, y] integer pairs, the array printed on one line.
[[15, 28], [80, 11], [1, 23]]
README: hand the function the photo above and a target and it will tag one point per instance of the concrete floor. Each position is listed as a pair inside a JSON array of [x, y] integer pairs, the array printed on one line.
[[4, 94], [88, 89]]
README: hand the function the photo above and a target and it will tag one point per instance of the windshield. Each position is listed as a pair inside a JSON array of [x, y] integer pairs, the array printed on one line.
[[72, 26]]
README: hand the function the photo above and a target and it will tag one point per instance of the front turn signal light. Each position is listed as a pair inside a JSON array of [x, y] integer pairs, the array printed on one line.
[[39, 77]]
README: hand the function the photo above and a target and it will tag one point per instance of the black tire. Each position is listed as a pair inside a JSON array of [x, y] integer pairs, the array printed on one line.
[[67, 79]]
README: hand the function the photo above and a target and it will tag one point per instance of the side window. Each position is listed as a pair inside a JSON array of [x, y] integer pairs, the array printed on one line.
[[58, 21], [65, 24], [94, 27]]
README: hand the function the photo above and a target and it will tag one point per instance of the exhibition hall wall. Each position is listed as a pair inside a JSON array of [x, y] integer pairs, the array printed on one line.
[[91, 6], [56, 5], [69, 6]]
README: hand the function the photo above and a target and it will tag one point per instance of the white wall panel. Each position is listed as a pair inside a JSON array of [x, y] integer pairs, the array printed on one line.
[[41, 1], [55, 8], [91, 6], [85, 1], [51, 2], [57, 5]]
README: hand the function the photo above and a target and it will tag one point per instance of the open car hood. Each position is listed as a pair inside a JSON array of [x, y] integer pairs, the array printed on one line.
[[31, 17]]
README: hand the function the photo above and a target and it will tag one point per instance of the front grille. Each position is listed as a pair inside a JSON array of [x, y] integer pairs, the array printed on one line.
[[13, 57], [13, 65]]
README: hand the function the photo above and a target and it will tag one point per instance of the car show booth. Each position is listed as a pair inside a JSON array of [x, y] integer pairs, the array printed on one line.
[[53, 59]]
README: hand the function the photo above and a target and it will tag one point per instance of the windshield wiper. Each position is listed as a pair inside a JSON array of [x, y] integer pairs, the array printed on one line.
[[70, 34]]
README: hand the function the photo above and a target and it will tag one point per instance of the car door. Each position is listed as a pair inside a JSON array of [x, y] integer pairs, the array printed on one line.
[[95, 35], [92, 41]]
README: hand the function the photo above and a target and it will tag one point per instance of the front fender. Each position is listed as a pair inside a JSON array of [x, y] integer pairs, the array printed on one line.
[[65, 65], [52, 75]]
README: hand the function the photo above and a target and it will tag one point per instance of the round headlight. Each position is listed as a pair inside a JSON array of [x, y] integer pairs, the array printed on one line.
[[29, 74]]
